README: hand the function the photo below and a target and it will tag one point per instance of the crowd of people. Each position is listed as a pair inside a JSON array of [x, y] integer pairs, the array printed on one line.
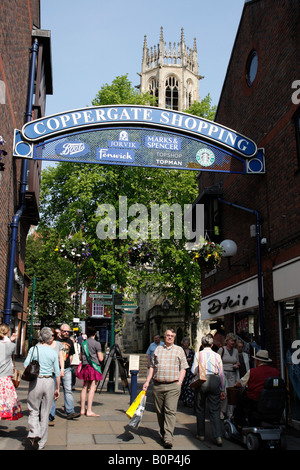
[[58, 355], [171, 368], [226, 364]]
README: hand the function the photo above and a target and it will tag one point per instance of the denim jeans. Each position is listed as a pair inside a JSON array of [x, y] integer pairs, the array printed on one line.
[[66, 382]]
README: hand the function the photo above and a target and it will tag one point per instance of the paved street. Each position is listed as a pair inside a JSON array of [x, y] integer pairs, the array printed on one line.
[[110, 431]]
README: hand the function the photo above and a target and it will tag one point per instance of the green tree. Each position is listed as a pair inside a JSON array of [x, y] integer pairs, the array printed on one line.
[[53, 292], [121, 91], [69, 187], [203, 108]]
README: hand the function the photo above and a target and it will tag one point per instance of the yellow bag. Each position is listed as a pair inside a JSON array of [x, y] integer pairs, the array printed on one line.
[[132, 409]]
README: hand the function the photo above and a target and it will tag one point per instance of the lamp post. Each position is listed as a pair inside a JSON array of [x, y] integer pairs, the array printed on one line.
[[259, 270], [77, 288], [75, 249], [112, 328], [110, 383]]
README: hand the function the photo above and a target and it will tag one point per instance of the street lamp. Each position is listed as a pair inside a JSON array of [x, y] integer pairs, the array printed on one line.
[[75, 249], [258, 259], [110, 383], [112, 330]]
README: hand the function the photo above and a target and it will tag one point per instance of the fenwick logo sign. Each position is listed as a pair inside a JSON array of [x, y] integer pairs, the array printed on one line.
[[157, 222]]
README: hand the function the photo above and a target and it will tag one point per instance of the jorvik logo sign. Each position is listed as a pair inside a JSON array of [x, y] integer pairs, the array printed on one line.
[[216, 305]]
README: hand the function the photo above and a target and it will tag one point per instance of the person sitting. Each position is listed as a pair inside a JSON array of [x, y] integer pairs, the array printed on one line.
[[253, 383]]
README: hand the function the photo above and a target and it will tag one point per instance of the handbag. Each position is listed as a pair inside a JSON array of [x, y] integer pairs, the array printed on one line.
[[15, 378], [33, 369], [79, 371], [200, 378]]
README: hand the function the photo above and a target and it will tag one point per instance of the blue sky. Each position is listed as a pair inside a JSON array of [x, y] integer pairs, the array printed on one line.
[[93, 41]]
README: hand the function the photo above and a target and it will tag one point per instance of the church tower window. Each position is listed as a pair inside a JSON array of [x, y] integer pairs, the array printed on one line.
[[171, 92], [153, 89]]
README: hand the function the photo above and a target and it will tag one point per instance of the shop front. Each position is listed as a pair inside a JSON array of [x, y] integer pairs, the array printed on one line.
[[286, 290], [240, 302]]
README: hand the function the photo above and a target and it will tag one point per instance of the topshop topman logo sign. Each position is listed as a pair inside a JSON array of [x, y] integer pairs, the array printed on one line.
[[101, 116]]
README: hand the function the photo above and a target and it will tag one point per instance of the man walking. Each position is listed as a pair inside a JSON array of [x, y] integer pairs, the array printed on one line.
[[152, 348], [68, 351], [167, 369]]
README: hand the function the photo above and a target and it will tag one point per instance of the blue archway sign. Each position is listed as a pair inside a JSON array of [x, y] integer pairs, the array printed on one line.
[[130, 135]]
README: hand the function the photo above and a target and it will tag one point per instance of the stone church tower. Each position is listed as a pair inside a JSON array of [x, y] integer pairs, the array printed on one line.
[[171, 73]]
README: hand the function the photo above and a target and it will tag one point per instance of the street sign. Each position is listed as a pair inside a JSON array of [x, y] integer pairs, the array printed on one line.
[[126, 307], [101, 296]]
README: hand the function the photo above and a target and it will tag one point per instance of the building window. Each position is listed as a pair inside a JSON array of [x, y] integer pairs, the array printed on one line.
[[171, 93], [98, 310], [251, 67], [189, 94], [153, 89]]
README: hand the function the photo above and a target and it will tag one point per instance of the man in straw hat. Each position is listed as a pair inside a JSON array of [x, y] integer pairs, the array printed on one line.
[[253, 382]]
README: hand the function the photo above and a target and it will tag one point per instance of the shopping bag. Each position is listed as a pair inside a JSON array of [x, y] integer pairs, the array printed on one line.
[[133, 407], [138, 415], [15, 378]]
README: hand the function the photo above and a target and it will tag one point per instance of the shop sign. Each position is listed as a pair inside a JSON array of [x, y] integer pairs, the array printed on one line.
[[142, 136], [240, 297], [45, 127], [216, 305]]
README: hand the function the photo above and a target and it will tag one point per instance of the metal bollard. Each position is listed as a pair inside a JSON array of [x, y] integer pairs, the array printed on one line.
[[133, 390]]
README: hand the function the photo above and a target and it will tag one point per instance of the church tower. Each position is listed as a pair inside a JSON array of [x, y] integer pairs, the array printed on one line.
[[171, 73]]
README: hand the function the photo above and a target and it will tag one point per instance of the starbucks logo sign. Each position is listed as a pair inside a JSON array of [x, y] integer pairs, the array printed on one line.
[[205, 157]]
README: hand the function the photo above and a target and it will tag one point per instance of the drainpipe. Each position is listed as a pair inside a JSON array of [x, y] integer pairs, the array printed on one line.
[[259, 273], [23, 183]]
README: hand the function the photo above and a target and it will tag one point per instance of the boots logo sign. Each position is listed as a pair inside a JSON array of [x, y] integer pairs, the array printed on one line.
[[70, 149]]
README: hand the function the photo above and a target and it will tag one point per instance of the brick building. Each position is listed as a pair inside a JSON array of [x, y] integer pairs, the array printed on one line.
[[23, 47], [259, 99]]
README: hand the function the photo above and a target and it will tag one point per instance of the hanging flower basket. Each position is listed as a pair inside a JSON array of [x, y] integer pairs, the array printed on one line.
[[142, 252], [73, 248], [209, 256]]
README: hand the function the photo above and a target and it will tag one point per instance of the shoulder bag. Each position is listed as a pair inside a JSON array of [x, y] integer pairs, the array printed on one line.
[[89, 359], [33, 369], [15, 378], [200, 377]]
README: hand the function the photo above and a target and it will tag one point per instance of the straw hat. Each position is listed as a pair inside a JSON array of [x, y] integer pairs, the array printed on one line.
[[262, 355]]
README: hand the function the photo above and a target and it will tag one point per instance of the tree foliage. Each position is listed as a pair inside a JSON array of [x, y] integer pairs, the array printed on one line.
[[68, 187], [53, 275], [121, 91]]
